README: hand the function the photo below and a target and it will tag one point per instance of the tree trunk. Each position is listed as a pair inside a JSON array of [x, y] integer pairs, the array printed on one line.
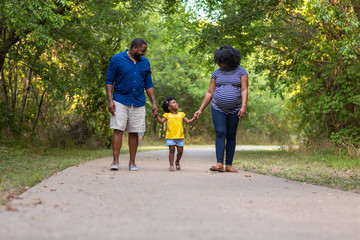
[[5, 97], [14, 91], [8, 42], [38, 112], [28, 81], [24, 97]]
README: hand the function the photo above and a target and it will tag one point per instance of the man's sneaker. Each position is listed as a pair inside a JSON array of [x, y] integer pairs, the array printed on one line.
[[114, 167], [133, 167]]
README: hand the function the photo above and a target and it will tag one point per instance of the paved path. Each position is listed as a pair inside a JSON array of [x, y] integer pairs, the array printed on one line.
[[90, 202]]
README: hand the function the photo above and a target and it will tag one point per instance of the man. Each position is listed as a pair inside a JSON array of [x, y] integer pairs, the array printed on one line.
[[127, 76]]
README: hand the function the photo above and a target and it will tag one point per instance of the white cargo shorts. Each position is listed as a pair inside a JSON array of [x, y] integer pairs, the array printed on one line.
[[128, 118]]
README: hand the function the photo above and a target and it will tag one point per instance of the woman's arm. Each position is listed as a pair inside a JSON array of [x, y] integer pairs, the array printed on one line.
[[244, 95], [207, 99]]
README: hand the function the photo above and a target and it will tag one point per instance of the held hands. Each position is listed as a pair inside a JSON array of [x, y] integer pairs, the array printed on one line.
[[197, 114], [155, 110]]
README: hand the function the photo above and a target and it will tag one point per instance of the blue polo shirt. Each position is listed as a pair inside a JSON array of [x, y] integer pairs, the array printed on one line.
[[129, 79]]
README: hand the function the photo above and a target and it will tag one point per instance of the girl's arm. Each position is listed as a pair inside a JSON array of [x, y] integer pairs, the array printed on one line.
[[160, 120], [189, 121], [207, 99]]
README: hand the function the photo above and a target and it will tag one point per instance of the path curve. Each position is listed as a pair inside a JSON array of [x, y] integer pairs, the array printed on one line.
[[91, 202]]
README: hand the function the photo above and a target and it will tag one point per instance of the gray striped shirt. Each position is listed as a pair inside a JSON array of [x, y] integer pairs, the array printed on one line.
[[227, 95]]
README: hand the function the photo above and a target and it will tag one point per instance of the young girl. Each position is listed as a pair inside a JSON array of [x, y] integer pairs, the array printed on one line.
[[175, 130]]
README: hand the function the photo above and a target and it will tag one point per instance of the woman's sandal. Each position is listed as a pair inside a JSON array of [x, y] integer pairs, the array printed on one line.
[[230, 169], [218, 168], [171, 168], [178, 166]]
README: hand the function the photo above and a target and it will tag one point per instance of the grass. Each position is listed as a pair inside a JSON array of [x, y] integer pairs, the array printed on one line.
[[23, 168], [316, 167]]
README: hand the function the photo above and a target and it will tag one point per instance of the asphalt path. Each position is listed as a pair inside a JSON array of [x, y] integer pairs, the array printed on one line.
[[91, 202]]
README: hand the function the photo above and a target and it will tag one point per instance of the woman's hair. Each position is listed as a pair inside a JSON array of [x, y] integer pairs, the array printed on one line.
[[165, 105], [228, 55]]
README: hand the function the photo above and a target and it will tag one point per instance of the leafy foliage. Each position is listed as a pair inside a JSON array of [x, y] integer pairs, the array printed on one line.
[[310, 50], [54, 55]]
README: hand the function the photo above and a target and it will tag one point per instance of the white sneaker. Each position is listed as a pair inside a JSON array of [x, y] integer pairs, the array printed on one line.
[[133, 167], [114, 167]]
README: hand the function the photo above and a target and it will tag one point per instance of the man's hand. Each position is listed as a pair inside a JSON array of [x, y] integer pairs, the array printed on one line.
[[111, 107], [155, 110]]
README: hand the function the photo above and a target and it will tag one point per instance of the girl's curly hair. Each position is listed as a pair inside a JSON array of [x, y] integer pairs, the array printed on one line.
[[228, 55], [165, 104]]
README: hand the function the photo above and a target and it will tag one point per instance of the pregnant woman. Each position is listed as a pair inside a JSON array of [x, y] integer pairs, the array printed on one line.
[[228, 94]]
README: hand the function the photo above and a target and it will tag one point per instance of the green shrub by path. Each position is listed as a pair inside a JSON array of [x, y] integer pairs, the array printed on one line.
[[322, 168]]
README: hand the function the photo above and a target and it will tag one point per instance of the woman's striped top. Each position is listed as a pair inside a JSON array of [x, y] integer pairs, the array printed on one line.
[[227, 95]]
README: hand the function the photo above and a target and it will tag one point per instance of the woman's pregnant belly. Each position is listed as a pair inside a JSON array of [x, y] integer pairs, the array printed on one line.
[[227, 97]]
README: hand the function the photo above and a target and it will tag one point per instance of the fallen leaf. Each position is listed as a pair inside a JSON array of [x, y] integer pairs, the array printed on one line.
[[14, 197], [37, 202], [11, 209]]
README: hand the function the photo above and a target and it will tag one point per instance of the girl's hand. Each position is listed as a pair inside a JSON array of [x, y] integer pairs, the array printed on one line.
[[154, 110], [242, 112]]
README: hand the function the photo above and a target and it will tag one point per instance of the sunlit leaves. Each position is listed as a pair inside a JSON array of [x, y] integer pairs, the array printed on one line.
[[308, 47]]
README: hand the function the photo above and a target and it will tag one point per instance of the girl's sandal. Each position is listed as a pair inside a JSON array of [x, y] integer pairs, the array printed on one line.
[[171, 168], [178, 166]]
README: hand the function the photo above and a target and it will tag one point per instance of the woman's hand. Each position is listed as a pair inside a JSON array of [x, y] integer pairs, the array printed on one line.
[[197, 114], [242, 112]]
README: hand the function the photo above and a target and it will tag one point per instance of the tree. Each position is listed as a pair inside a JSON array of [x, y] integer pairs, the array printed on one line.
[[312, 51]]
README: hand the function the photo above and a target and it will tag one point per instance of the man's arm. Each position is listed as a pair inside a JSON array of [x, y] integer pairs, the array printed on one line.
[[151, 93], [111, 104]]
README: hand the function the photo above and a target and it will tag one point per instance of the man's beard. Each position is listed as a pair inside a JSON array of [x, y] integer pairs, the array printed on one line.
[[137, 56]]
